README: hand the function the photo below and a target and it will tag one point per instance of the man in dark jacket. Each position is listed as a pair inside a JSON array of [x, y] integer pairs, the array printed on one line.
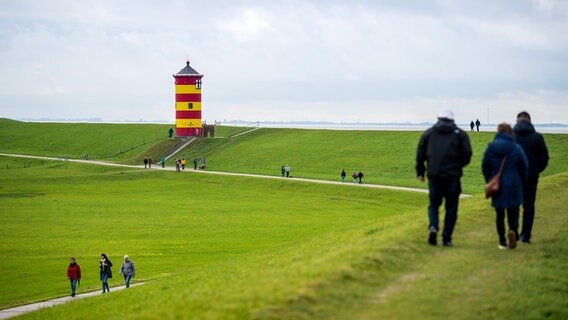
[[535, 149], [446, 150]]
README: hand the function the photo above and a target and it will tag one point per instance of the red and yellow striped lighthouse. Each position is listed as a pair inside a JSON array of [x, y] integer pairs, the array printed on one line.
[[188, 102]]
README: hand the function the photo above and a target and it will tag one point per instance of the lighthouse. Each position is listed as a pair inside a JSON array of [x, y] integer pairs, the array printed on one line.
[[188, 102]]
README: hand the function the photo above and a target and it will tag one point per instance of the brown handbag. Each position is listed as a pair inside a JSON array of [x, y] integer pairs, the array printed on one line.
[[493, 185]]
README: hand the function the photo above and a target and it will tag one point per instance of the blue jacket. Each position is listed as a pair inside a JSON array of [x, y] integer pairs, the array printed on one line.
[[514, 172]]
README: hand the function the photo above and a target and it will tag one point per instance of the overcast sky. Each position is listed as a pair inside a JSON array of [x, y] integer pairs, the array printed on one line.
[[341, 61]]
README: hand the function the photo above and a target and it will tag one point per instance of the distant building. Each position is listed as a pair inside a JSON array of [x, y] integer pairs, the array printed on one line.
[[188, 102]]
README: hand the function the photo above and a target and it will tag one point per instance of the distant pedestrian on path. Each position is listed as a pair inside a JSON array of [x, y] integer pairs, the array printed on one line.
[[171, 132], [150, 163], [510, 195], [472, 125], [354, 176], [445, 149], [343, 175], [477, 124], [287, 169], [177, 164], [74, 275], [127, 270], [360, 177], [536, 151], [105, 271], [146, 163], [194, 164], [283, 171], [163, 161], [183, 162]]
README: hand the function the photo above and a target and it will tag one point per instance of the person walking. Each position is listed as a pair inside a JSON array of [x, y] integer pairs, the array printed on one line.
[[149, 163], [472, 125], [127, 270], [145, 163], [477, 124], [194, 164], [360, 176], [283, 171], [74, 275], [536, 152], [514, 173], [354, 176], [183, 163], [343, 175], [287, 169], [105, 271], [446, 150], [171, 132]]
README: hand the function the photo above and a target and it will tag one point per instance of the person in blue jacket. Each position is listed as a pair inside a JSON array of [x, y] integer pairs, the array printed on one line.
[[510, 195]]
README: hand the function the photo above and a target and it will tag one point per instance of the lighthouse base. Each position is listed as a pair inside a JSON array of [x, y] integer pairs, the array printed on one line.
[[188, 132]]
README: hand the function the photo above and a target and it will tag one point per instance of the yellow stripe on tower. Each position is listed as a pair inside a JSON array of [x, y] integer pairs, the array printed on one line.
[[186, 88], [185, 106], [188, 123]]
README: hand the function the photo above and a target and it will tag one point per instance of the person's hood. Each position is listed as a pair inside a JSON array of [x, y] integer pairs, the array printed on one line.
[[523, 128], [503, 144], [445, 126]]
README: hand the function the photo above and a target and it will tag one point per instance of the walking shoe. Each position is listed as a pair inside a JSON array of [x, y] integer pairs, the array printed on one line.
[[447, 244], [502, 246], [432, 237], [512, 237]]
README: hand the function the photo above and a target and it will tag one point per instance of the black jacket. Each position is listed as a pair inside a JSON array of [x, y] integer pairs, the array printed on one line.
[[533, 144], [446, 150]]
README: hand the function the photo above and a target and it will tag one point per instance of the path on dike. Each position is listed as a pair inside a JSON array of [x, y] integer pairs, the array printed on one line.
[[17, 311], [158, 167]]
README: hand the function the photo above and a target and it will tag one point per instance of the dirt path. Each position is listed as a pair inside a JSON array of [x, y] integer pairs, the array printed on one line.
[[16, 311], [157, 167]]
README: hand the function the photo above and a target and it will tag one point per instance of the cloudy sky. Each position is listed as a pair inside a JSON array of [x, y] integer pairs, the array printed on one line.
[[341, 61]]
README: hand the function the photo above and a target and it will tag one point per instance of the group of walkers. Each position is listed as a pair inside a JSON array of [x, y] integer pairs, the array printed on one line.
[[357, 176], [127, 270], [472, 124], [520, 152], [285, 171], [147, 163], [181, 163]]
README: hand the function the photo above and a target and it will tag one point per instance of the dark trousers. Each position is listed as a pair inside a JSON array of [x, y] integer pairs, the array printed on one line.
[[512, 222], [448, 189], [529, 192]]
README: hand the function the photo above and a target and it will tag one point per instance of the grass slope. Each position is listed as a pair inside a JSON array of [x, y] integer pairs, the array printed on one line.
[[168, 223], [385, 157]]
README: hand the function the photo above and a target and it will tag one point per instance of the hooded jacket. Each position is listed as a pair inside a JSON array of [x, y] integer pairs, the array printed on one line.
[[446, 150], [533, 145], [514, 173]]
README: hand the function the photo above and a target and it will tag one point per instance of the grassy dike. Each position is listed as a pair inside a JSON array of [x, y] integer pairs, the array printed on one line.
[[238, 248]]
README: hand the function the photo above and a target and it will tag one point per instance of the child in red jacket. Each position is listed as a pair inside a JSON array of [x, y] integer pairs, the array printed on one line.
[[74, 275]]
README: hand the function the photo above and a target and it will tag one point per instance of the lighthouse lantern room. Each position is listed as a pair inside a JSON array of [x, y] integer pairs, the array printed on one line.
[[188, 102]]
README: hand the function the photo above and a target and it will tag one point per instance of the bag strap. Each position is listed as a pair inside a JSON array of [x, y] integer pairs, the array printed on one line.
[[501, 167]]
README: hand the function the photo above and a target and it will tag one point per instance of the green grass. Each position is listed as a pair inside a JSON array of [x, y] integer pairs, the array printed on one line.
[[385, 157], [225, 247]]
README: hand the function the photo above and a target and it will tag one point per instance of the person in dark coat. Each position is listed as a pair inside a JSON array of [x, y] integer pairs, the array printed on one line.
[[171, 132], [105, 271], [445, 149], [360, 175], [477, 124], [343, 175], [536, 151], [510, 195], [145, 163], [472, 125]]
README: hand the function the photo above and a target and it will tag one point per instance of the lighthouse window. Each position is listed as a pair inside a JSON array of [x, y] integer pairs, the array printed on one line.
[[190, 106], [198, 84]]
